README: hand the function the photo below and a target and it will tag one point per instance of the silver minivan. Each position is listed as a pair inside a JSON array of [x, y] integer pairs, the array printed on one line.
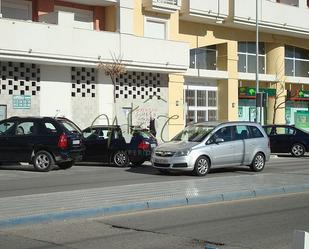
[[202, 146]]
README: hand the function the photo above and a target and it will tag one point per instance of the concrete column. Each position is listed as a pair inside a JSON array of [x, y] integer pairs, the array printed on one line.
[[175, 103], [303, 4], [275, 65], [125, 16], [0, 8], [228, 89]]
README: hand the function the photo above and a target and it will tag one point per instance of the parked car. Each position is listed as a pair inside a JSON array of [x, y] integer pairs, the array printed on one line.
[[105, 143], [202, 146], [41, 141], [287, 139]]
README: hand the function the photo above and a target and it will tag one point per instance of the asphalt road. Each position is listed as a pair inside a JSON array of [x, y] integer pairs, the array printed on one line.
[[249, 224], [16, 180]]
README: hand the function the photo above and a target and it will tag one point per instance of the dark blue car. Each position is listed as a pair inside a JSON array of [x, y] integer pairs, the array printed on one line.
[[105, 143]]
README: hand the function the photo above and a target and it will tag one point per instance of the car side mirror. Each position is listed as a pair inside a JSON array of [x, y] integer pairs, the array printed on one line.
[[219, 140]]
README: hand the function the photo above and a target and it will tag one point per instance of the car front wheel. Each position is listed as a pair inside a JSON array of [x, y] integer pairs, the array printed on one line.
[[121, 159], [43, 161], [202, 166], [258, 162], [298, 150]]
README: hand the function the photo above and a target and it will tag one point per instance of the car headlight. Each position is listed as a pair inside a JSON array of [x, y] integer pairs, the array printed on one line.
[[183, 152]]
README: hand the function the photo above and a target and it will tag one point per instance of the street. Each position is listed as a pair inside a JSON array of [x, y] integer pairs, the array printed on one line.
[[262, 223], [24, 180]]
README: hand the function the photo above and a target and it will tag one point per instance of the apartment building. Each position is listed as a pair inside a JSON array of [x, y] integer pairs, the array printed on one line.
[[189, 60]]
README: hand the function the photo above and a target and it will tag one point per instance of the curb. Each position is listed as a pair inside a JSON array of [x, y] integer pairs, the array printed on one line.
[[151, 205]]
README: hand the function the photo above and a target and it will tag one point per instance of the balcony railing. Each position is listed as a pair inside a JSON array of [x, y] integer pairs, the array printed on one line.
[[164, 6], [172, 2]]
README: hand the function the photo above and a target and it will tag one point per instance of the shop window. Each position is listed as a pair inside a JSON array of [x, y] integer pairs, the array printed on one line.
[[204, 58], [201, 103], [247, 57], [16, 9]]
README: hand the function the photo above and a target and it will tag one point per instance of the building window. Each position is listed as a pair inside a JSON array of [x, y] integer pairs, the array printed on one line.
[[247, 57], [201, 103], [155, 28], [82, 18], [296, 62], [289, 2], [204, 58], [14, 9]]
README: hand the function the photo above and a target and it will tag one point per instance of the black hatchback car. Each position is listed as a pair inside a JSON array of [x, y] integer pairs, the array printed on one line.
[[287, 139], [105, 143], [41, 141]]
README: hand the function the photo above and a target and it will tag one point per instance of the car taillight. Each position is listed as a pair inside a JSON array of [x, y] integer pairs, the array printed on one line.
[[63, 141], [143, 145]]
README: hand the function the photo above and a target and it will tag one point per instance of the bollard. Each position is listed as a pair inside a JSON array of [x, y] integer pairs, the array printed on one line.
[[300, 240]]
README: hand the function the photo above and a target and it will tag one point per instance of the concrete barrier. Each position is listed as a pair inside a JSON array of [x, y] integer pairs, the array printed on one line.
[[300, 240]]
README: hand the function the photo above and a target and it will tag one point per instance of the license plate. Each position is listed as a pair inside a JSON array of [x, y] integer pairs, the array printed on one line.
[[161, 160], [76, 142], [153, 145]]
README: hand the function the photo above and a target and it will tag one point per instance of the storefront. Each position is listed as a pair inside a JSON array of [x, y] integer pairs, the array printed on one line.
[[296, 106], [247, 103]]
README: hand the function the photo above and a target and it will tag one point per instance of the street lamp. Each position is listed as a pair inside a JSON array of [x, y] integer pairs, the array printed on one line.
[[258, 108]]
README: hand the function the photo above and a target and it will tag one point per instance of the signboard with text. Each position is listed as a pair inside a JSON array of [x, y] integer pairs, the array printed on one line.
[[21, 101], [251, 91]]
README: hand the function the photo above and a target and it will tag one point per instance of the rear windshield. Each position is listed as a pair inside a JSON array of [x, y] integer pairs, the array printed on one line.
[[144, 134], [70, 126]]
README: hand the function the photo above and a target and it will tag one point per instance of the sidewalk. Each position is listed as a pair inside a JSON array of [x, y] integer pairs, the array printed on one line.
[[31, 209]]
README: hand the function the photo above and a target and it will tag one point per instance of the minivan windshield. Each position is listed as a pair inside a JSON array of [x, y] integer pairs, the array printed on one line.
[[194, 133]]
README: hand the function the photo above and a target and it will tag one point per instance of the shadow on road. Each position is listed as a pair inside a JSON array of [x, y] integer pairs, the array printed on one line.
[[148, 170], [290, 156]]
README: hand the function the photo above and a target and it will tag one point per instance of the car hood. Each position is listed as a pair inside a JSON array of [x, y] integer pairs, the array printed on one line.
[[176, 146]]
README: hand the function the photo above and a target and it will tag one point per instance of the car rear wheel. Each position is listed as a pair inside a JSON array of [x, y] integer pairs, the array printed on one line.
[[298, 150], [258, 162], [202, 166], [66, 165], [121, 159], [43, 161]]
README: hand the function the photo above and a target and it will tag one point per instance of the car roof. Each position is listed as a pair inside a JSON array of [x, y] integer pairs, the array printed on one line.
[[216, 123], [103, 126], [29, 117]]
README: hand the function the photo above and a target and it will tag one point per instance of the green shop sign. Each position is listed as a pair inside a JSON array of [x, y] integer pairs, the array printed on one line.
[[251, 91], [303, 94]]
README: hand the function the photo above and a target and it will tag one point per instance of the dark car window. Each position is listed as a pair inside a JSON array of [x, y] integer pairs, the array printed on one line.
[[255, 132], [25, 128], [6, 127], [225, 133], [241, 132], [280, 130]]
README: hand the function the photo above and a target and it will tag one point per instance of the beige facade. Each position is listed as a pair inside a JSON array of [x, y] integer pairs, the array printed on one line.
[[201, 32]]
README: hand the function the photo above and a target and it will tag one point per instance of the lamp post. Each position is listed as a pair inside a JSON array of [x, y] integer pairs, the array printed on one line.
[[258, 108]]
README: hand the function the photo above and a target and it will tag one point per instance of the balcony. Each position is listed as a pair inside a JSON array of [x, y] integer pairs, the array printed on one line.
[[215, 11], [61, 44], [274, 17], [162, 6]]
